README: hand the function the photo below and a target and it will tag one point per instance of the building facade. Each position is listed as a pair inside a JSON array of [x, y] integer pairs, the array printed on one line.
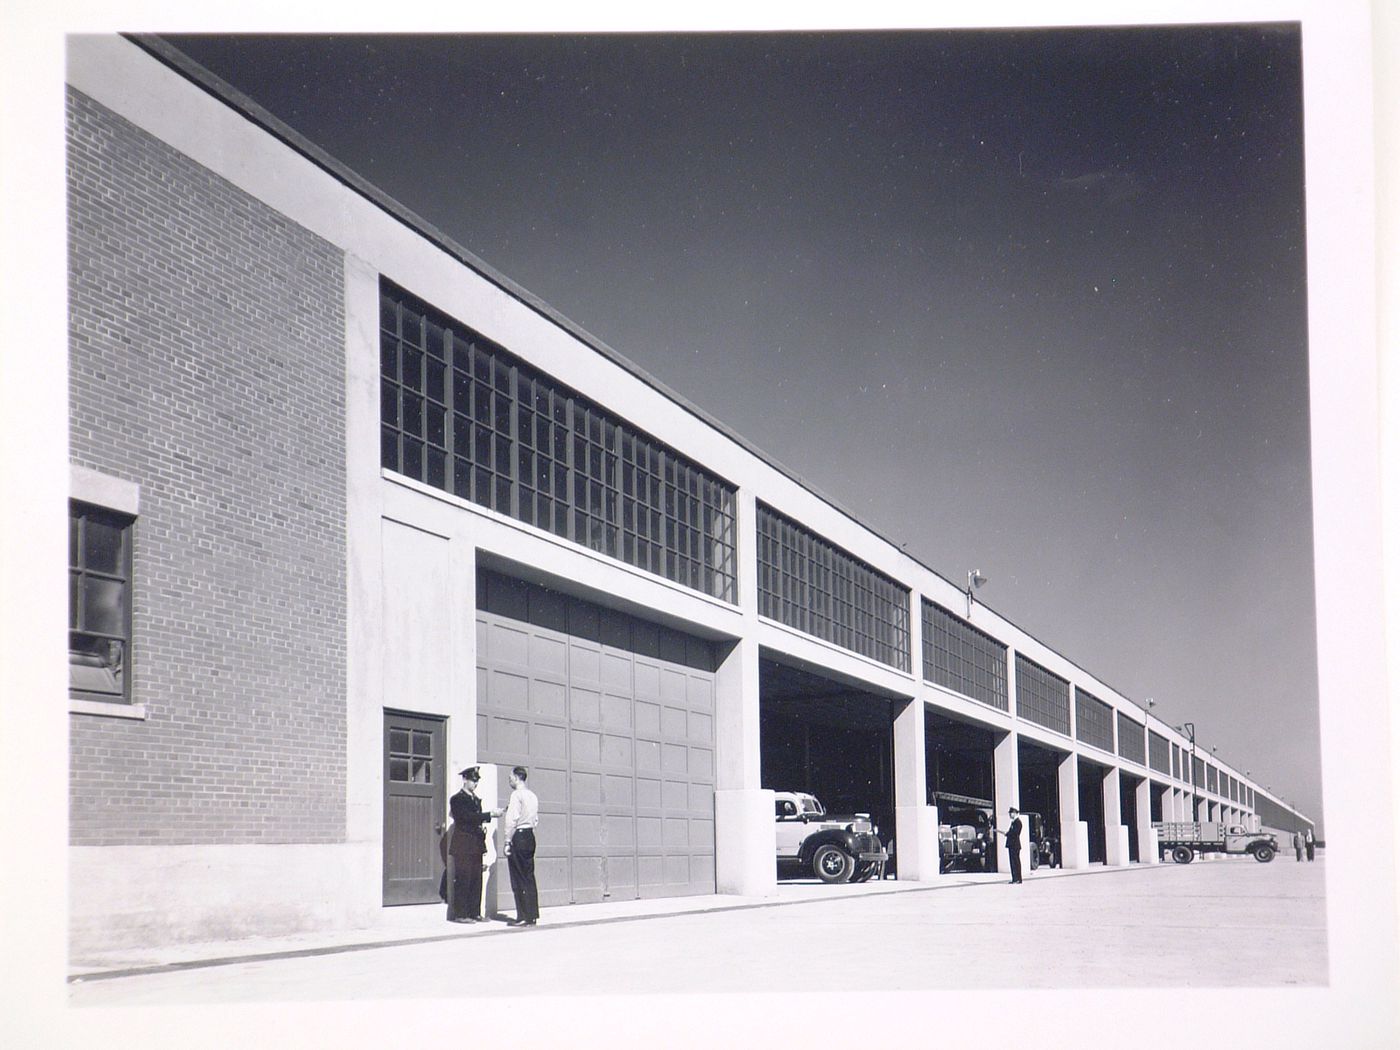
[[350, 511]]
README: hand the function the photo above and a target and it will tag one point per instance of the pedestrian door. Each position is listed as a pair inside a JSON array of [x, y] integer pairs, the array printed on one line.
[[614, 716], [414, 802]]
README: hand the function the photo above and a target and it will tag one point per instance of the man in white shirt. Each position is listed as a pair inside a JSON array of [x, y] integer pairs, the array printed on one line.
[[522, 814]]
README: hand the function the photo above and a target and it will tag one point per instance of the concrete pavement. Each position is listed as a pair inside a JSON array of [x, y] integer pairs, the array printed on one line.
[[1225, 923]]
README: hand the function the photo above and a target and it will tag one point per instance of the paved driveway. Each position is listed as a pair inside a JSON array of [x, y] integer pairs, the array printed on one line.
[[1224, 924]]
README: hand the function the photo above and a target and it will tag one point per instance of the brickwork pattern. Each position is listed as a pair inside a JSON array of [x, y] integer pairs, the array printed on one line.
[[206, 337]]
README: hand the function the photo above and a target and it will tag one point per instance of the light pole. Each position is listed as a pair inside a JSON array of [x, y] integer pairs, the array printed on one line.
[[1189, 728]]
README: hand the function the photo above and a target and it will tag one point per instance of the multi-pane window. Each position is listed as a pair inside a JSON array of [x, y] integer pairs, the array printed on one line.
[[816, 587], [99, 604], [1093, 720], [1041, 697], [411, 756], [1176, 762], [962, 658], [1250, 791], [1130, 739], [1211, 783], [1198, 767], [1159, 755], [462, 414]]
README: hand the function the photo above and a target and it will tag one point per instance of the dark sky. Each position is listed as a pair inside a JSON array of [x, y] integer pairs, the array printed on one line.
[[1028, 301]]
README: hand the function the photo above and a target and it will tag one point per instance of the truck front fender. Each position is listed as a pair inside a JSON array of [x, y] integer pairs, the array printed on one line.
[[835, 836]]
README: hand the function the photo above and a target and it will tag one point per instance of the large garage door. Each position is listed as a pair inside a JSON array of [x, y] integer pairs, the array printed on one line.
[[614, 717]]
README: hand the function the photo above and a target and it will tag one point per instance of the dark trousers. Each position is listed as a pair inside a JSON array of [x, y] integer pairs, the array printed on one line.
[[464, 897], [1310, 847], [522, 875], [1014, 855]]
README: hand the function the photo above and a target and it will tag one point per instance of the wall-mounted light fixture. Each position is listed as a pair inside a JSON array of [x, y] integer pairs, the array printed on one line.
[[975, 579]]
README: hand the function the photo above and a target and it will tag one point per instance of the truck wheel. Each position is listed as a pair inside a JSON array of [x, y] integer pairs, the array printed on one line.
[[1035, 859], [864, 870], [833, 864], [1182, 854], [1263, 854]]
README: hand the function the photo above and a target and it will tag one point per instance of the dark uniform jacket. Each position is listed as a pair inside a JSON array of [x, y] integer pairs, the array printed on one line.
[[1013, 835], [468, 839]]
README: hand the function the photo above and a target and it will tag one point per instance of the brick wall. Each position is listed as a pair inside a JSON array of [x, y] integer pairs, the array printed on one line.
[[207, 364]]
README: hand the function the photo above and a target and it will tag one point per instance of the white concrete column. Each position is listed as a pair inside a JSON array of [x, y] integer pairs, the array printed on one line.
[[915, 832], [1146, 834], [1006, 791], [745, 839], [1115, 832], [1074, 833]]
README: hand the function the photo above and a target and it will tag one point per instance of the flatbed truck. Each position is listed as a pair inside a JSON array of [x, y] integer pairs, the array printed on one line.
[[1184, 840]]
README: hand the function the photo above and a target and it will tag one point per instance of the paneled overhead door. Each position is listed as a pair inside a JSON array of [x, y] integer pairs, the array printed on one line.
[[614, 716]]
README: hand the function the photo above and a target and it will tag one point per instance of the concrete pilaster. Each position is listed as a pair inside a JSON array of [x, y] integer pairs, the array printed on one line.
[[1006, 778], [1146, 835], [916, 837], [1115, 834], [1074, 834], [745, 841]]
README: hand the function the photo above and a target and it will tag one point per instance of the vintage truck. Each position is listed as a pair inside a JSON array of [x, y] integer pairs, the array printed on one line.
[[1045, 844], [833, 848], [964, 832], [1184, 839]]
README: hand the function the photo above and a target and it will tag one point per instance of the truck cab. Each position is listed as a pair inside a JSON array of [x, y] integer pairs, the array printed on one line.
[[833, 848]]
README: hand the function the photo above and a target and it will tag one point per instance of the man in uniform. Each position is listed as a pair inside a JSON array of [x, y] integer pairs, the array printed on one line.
[[522, 816], [1013, 843], [466, 850]]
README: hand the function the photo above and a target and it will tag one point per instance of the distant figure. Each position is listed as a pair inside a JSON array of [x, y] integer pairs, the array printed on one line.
[[1298, 845], [1013, 844], [1309, 843]]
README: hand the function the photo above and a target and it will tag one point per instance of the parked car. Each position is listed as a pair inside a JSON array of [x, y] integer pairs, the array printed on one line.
[[833, 848], [965, 840]]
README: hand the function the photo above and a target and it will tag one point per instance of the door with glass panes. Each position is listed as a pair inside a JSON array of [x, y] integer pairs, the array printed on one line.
[[415, 800]]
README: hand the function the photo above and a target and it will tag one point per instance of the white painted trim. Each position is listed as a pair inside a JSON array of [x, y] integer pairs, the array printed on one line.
[[534, 532], [906, 681], [103, 490], [107, 709]]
